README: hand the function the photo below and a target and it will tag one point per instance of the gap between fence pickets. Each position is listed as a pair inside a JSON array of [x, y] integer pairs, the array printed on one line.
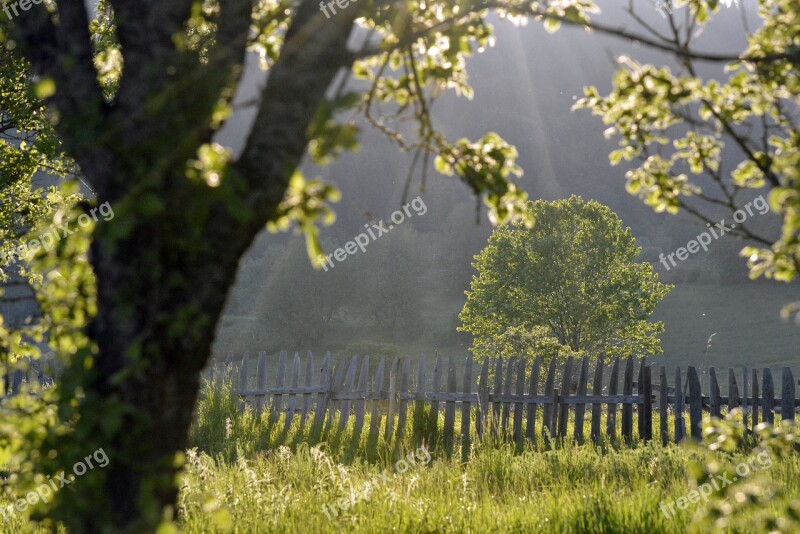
[[339, 390]]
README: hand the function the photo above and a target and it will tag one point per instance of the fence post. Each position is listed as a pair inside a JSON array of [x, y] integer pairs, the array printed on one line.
[[580, 409], [597, 390], [663, 405], [647, 412], [768, 397], [243, 380], [695, 403], [787, 395], [566, 388], [533, 388], [466, 411], [627, 407]]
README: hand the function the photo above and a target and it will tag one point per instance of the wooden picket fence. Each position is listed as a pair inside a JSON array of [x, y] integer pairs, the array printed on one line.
[[510, 406]]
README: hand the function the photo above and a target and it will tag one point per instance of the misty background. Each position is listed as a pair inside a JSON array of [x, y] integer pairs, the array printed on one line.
[[404, 294]]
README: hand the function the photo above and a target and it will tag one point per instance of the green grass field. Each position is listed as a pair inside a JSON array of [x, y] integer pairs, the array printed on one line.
[[248, 474]]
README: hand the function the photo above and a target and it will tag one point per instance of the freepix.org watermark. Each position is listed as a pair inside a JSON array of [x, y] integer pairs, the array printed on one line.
[[375, 231], [49, 239], [45, 491], [717, 483], [719, 229], [419, 457]]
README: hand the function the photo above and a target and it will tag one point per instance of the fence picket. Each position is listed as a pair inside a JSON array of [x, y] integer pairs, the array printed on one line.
[[627, 407], [533, 386], [450, 407], [754, 400], [360, 403], [580, 409], [611, 422], [498, 389], [597, 390], [733, 391], [507, 391], [767, 397], [520, 392], [680, 399], [435, 389], [243, 379], [483, 399], [292, 400], [392, 399], [566, 388], [641, 421], [308, 382], [550, 408], [466, 409], [402, 410], [419, 404], [377, 413], [787, 394], [646, 412], [695, 403], [261, 381], [714, 395], [349, 384], [745, 390], [324, 395], [277, 399]]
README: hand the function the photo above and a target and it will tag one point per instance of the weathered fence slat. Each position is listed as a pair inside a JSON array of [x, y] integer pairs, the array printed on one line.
[[292, 401], [627, 408], [767, 397], [377, 413], [261, 380], [483, 399], [308, 381], [465, 412], [680, 397], [243, 378], [640, 391], [646, 410], [520, 391], [787, 394], [549, 409], [580, 409], [507, 391], [745, 390], [360, 404], [597, 390], [402, 409], [533, 386], [392, 398], [435, 389], [450, 406], [663, 405], [611, 422], [695, 402], [733, 391], [566, 387], [349, 383], [714, 396], [324, 396], [277, 400], [419, 403], [754, 402]]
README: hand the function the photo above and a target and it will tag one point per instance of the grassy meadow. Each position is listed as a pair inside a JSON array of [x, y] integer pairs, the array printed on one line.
[[248, 473]]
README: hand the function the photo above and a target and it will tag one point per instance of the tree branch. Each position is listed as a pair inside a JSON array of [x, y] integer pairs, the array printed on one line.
[[314, 50]]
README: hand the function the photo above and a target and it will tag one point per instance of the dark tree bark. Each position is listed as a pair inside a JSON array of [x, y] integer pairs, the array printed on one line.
[[162, 285]]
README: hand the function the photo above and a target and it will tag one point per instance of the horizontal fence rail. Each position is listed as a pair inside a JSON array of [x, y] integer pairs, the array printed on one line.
[[510, 398]]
